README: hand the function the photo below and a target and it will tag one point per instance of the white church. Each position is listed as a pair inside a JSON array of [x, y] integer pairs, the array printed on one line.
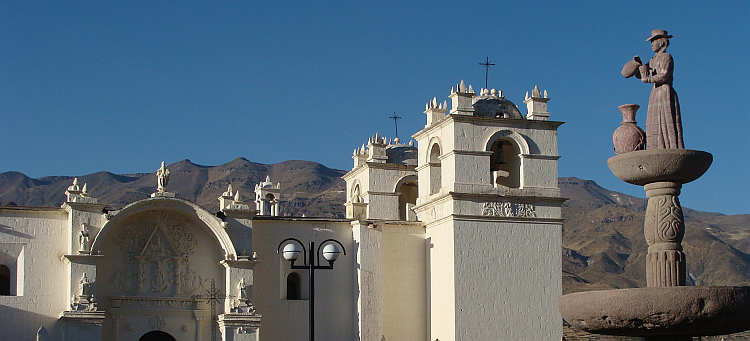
[[458, 238]]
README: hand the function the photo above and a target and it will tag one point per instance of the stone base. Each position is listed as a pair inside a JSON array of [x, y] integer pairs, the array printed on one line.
[[240, 326], [659, 312], [163, 195], [82, 325]]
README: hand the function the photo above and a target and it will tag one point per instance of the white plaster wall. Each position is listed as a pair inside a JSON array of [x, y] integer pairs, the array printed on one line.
[[405, 301], [370, 280], [336, 290], [509, 279], [440, 246], [43, 238]]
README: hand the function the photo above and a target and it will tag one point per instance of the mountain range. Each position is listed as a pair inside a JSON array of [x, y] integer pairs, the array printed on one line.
[[603, 242]]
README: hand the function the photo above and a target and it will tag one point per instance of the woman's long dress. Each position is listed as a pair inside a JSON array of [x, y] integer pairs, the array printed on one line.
[[663, 122]]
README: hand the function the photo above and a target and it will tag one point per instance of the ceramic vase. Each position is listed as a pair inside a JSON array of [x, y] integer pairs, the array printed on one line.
[[628, 137]]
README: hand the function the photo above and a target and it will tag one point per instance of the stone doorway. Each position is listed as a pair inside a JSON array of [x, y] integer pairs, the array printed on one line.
[[157, 335]]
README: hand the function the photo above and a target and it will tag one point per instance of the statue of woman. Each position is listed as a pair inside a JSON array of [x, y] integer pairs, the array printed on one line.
[[663, 122]]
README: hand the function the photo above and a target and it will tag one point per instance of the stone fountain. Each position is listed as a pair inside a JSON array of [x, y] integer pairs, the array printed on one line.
[[666, 309]]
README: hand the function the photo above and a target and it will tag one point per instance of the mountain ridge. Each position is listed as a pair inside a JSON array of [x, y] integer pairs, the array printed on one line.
[[603, 243]]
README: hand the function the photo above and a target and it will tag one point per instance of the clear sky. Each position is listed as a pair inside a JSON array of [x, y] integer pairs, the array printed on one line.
[[119, 86]]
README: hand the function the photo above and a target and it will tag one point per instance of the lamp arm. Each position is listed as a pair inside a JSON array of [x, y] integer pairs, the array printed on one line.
[[323, 243], [304, 251]]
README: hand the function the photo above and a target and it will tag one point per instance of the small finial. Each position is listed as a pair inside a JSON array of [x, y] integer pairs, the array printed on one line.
[[85, 189], [535, 93], [462, 86], [494, 92], [268, 178], [411, 143], [396, 140], [237, 196], [471, 91], [445, 104], [545, 93], [527, 96]]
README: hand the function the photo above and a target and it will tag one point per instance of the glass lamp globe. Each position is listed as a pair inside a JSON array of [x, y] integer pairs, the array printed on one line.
[[331, 252], [291, 252]]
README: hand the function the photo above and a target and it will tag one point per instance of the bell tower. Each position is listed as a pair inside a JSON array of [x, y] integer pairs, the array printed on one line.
[[489, 198]]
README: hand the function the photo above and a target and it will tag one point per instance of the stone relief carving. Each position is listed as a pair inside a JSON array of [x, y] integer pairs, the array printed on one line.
[[158, 246], [158, 322], [665, 222], [508, 209]]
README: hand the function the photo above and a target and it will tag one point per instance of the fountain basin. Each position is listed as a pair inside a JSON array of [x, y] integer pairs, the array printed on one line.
[[659, 311], [642, 167]]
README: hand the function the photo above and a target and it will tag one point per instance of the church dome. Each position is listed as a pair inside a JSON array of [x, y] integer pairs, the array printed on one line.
[[401, 154], [493, 104]]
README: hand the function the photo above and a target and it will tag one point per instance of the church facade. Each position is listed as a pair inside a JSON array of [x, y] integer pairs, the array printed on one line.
[[458, 238]]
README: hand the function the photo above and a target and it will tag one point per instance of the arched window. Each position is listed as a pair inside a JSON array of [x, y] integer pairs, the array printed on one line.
[[355, 198], [435, 172], [293, 286], [269, 204], [4, 280], [505, 163], [407, 198]]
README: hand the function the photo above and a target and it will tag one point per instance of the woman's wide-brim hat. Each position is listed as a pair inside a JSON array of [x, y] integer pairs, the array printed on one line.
[[656, 34]]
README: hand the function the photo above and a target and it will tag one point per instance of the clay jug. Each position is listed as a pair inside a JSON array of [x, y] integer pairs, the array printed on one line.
[[628, 136]]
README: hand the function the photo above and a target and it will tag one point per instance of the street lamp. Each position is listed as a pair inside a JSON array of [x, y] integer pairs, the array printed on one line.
[[292, 251]]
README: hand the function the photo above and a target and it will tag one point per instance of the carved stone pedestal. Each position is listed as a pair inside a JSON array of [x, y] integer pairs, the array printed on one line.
[[240, 326], [662, 172], [664, 229], [82, 325]]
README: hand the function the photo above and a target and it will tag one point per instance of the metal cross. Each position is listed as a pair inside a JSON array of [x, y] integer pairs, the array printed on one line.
[[213, 296], [486, 65], [395, 121]]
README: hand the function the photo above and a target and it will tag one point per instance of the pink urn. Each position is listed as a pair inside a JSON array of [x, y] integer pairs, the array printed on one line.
[[628, 137]]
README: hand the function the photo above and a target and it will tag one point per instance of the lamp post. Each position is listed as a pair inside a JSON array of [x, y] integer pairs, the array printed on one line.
[[292, 252]]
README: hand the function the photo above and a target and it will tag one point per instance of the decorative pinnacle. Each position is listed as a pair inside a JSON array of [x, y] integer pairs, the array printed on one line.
[[545, 93], [462, 86], [85, 189], [237, 197], [470, 89], [535, 93], [527, 96]]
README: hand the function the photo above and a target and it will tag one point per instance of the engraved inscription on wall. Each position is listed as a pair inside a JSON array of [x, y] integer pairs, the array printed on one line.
[[508, 209], [158, 246]]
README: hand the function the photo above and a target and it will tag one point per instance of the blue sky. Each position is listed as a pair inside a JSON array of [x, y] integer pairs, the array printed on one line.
[[87, 86]]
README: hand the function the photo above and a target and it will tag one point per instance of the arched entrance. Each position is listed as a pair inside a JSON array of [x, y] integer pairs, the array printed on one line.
[[157, 335]]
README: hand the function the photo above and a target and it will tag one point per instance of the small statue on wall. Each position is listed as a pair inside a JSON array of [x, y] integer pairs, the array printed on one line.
[[162, 175], [85, 285], [83, 239], [663, 121]]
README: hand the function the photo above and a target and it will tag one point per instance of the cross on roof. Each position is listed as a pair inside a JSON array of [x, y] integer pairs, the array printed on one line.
[[486, 65], [395, 121]]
